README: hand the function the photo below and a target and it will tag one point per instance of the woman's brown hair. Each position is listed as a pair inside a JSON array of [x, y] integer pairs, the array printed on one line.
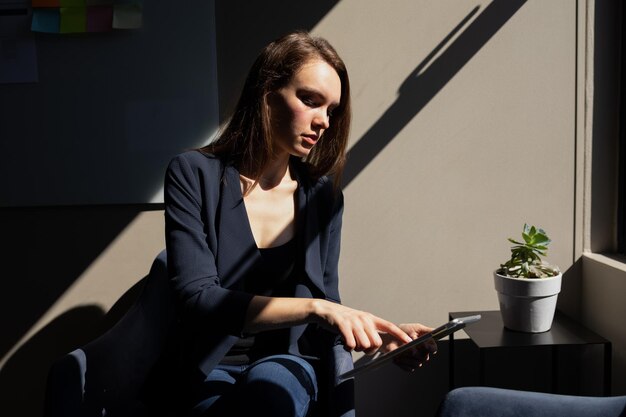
[[246, 138]]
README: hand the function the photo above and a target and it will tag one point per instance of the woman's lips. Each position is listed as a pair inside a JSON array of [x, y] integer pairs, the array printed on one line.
[[310, 139]]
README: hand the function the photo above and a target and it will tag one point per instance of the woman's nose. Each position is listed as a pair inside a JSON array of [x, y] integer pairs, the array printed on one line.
[[322, 119]]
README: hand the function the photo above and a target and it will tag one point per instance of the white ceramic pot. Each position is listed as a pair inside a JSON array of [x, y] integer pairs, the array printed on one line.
[[527, 305]]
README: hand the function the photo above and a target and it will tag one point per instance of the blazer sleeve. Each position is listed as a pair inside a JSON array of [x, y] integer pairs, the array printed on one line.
[[341, 392], [191, 262], [331, 266]]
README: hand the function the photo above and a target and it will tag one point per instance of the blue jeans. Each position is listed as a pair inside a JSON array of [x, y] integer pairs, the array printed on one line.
[[278, 385]]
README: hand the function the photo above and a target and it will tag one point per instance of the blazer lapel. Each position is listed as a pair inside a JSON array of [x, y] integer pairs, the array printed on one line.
[[236, 246], [309, 224]]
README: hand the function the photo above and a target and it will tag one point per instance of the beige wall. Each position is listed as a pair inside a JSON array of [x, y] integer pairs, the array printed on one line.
[[482, 138]]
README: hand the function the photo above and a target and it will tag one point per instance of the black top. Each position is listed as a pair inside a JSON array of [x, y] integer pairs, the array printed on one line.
[[274, 276]]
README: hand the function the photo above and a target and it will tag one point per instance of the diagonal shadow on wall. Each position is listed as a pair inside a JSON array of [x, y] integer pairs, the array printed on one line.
[[45, 250], [424, 84]]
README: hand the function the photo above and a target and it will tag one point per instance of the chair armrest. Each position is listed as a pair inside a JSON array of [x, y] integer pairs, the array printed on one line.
[[492, 402], [109, 373], [66, 385]]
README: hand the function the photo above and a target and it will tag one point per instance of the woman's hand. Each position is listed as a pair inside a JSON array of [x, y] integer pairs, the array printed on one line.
[[361, 331], [415, 357]]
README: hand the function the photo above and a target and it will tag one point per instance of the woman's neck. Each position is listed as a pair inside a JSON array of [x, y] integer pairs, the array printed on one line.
[[273, 174], [276, 171]]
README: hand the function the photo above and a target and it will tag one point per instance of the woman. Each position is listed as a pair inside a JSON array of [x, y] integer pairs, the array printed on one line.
[[253, 229]]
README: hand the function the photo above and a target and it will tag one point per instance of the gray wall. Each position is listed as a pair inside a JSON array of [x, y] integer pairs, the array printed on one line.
[[109, 110]]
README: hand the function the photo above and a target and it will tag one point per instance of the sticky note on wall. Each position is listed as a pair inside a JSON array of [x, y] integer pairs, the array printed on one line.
[[99, 18], [127, 16], [73, 19], [46, 20], [75, 16]]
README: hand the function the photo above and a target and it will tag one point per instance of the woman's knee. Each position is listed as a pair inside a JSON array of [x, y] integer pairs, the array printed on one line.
[[207, 395], [283, 384]]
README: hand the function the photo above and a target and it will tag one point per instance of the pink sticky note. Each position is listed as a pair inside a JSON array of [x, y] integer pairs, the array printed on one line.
[[99, 18]]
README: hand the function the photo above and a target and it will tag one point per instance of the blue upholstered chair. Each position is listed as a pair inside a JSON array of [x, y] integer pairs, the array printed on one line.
[[495, 402], [108, 376]]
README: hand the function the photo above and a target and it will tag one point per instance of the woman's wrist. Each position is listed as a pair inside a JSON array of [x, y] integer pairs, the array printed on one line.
[[315, 306], [266, 313]]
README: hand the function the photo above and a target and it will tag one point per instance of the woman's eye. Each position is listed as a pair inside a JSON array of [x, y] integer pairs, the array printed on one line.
[[308, 101]]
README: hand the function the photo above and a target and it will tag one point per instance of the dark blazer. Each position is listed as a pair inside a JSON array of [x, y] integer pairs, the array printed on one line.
[[209, 250]]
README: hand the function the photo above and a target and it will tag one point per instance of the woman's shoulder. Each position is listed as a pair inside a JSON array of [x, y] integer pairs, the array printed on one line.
[[306, 177], [197, 160], [322, 187], [197, 157]]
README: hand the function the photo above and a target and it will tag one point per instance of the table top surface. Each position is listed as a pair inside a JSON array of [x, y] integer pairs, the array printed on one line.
[[489, 332]]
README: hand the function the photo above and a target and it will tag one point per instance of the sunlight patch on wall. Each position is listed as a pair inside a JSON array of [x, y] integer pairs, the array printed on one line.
[[117, 269], [158, 196]]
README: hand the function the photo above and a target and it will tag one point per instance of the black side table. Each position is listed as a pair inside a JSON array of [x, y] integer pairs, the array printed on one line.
[[489, 333]]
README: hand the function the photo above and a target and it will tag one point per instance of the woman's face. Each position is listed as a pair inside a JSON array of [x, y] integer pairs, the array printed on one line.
[[301, 111]]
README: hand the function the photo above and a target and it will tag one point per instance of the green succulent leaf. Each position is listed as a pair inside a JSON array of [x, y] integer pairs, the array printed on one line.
[[540, 238], [526, 256]]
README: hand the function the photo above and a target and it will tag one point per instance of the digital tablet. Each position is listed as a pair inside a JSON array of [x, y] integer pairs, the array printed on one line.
[[438, 333]]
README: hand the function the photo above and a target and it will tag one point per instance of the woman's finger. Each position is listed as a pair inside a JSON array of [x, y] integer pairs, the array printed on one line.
[[375, 340], [348, 337], [391, 329], [362, 340], [407, 363], [431, 346]]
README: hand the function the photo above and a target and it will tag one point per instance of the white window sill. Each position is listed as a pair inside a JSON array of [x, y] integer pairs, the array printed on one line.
[[616, 262]]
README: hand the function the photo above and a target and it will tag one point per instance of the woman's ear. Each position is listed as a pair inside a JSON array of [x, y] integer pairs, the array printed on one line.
[[274, 103], [270, 98]]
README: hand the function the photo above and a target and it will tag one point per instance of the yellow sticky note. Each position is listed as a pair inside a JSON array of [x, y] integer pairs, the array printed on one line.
[[73, 19], [127, 16]]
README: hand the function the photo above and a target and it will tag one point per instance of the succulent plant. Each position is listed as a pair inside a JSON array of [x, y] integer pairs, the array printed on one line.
[[526, 256]]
